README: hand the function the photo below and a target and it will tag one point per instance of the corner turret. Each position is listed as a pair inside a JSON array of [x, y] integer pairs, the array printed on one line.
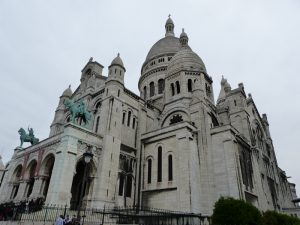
[[59, 117], [117, 70], [89, 75]]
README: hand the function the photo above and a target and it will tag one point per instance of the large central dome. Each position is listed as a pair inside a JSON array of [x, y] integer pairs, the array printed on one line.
[[166, 45]]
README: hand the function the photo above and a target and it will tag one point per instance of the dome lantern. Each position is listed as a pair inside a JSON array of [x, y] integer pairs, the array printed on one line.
[[184, 39], [169, 27]]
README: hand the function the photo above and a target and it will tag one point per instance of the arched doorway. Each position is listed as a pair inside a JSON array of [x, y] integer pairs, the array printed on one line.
[[46, 172], [82, 182], [30, 174], [16, 181]]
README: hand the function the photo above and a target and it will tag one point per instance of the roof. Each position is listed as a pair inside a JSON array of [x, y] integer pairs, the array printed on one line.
[[166, 45]]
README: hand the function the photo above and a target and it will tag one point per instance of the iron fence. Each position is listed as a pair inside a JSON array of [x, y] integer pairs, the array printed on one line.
[[116, 215]]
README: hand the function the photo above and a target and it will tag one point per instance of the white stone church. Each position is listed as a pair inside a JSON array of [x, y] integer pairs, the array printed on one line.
[[173, 147]]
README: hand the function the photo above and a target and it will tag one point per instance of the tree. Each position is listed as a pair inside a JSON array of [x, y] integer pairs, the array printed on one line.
[[235, 212]]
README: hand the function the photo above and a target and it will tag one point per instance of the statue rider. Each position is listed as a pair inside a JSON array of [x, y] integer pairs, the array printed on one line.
[[30, 130], [81, 107]]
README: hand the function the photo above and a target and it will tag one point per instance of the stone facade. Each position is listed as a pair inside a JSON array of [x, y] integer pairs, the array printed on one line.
[[173, 147]]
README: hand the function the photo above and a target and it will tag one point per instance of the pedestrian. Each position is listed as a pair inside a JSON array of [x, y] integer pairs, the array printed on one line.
[[67, 220], [60, 220]]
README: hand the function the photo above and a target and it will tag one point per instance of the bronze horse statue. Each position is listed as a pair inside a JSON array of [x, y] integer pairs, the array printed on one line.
[[77, 110], [24, 137]]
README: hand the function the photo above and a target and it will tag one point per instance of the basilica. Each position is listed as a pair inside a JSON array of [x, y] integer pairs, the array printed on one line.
[[174, 147]]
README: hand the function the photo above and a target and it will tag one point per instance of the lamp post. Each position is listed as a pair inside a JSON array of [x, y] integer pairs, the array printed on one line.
[[87, 156]]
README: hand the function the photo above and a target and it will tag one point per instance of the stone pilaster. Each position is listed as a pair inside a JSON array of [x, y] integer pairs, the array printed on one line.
[[23, 188], [37, 188], [59, 191]]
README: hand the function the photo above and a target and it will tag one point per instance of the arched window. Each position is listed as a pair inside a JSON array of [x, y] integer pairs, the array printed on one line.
[[128, 186], [176, 119], [190, 88], [159, 164], [161, 86], [149, 171], [133, 123], [88, 72], [178, 87], [173, 89], [123, 119], [97, 124], [129, 117], [260, 138], [121, 184], [145, 93], [98, 105], [152, 89], [170, 168]]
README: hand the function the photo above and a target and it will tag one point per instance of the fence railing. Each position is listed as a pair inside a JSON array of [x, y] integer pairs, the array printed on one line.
[[116, 215]]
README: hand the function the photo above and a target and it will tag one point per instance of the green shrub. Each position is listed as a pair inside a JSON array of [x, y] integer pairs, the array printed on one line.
[[235, 212], [275, 218]]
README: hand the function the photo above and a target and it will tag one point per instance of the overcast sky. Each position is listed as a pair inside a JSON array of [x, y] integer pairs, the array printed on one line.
[[45, 44]]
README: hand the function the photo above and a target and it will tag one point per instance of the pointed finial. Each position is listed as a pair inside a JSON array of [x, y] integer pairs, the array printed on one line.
[[91, 59], [169, 15], [69, 85], [118, 54]]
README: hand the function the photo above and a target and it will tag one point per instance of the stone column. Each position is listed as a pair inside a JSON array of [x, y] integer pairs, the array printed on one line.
[[21, 195], [36, 191], [9, 192]]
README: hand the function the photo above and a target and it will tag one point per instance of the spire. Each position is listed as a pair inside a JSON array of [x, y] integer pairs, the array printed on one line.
[[184, 39], [169, 27], [225, 88]]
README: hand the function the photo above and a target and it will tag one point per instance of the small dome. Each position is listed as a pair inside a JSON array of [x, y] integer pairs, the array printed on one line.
[[169, 27], [183, 34], [68, 92], [117, 61], [185, 58], [169, 20], [227, 87], [223, 81]]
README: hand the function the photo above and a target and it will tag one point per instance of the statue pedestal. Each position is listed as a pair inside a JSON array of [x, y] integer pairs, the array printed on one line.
[[18, 148]]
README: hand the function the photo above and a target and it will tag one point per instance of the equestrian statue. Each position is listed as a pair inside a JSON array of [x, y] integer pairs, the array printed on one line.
[[24, 137], [78, 111]]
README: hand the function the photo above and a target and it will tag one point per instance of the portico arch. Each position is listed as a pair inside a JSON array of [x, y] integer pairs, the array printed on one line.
[[15, 179], [29, 176], [46, 173], [82, 184]]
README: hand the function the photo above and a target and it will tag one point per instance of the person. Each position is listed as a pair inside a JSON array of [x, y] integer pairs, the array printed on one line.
[[60, 220], [67, 220]]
